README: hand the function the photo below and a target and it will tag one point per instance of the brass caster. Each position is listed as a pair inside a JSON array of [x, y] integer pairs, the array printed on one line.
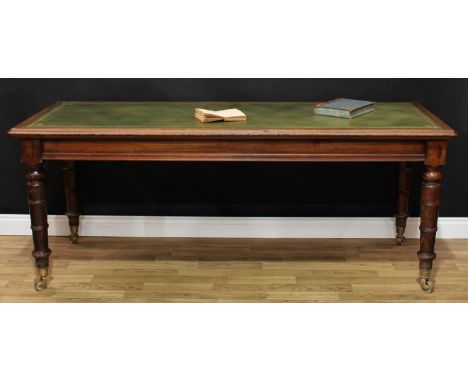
[[41, 281], [426, 284], [400, 235], [74, 234], [400, 240], [40, 284], [73, 238]]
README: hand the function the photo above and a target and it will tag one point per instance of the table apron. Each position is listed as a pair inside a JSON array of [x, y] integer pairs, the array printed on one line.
[[308, 150]]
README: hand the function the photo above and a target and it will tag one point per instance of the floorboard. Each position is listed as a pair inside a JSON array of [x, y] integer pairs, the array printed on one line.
[[100, 269]]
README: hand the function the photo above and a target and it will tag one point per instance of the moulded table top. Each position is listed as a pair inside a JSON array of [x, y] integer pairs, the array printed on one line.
[[263, 117]]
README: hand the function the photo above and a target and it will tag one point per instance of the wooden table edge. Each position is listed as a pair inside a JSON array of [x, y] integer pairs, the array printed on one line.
[[100, 132], [436, 119]]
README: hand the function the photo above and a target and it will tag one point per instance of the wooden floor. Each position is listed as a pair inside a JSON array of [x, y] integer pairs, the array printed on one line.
[[231, 270]]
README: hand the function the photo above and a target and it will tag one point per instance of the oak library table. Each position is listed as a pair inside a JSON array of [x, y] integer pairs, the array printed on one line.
[[274, 132]]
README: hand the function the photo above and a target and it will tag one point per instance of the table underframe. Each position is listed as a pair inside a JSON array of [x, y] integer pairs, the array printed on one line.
[[69, 150]]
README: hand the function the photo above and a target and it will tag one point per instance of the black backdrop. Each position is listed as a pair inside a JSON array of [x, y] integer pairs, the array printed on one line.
[[233, 189]]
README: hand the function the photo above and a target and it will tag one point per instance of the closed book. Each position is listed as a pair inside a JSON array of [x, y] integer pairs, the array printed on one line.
[[344, 108]]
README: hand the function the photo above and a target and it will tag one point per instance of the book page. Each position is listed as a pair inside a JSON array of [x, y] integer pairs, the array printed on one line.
[[204, 118], [230, 113], [208, 113]]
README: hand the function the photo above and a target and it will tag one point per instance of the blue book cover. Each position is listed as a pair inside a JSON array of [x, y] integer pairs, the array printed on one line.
[[344, 108]]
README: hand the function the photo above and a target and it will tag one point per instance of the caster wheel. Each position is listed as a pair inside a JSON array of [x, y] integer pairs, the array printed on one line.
[[426, 285], [400, 240], [40, 284]]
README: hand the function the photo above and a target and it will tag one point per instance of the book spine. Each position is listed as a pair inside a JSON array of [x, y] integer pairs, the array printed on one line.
[[332, 112]]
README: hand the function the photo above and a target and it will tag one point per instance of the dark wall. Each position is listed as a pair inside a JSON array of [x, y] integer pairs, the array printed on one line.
[[235, 189]]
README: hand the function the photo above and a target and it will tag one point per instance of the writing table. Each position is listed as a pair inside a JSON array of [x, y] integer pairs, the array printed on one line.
[[274, 131]]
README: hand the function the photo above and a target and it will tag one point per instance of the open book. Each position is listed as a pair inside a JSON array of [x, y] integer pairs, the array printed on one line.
[[227, 115]]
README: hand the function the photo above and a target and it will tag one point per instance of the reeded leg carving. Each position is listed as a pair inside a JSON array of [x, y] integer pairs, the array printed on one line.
[[71, 197], [37, 201], [430, 202], [401, 216]]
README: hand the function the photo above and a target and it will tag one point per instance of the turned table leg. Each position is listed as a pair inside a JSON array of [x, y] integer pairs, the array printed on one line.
[[37, 201], [71, 197], [430, 202], [401, 216]]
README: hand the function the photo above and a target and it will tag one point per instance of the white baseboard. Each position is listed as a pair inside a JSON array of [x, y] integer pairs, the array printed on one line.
[[245, 227]]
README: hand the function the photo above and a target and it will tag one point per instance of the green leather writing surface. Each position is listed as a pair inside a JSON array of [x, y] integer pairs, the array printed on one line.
[[294, 115]]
